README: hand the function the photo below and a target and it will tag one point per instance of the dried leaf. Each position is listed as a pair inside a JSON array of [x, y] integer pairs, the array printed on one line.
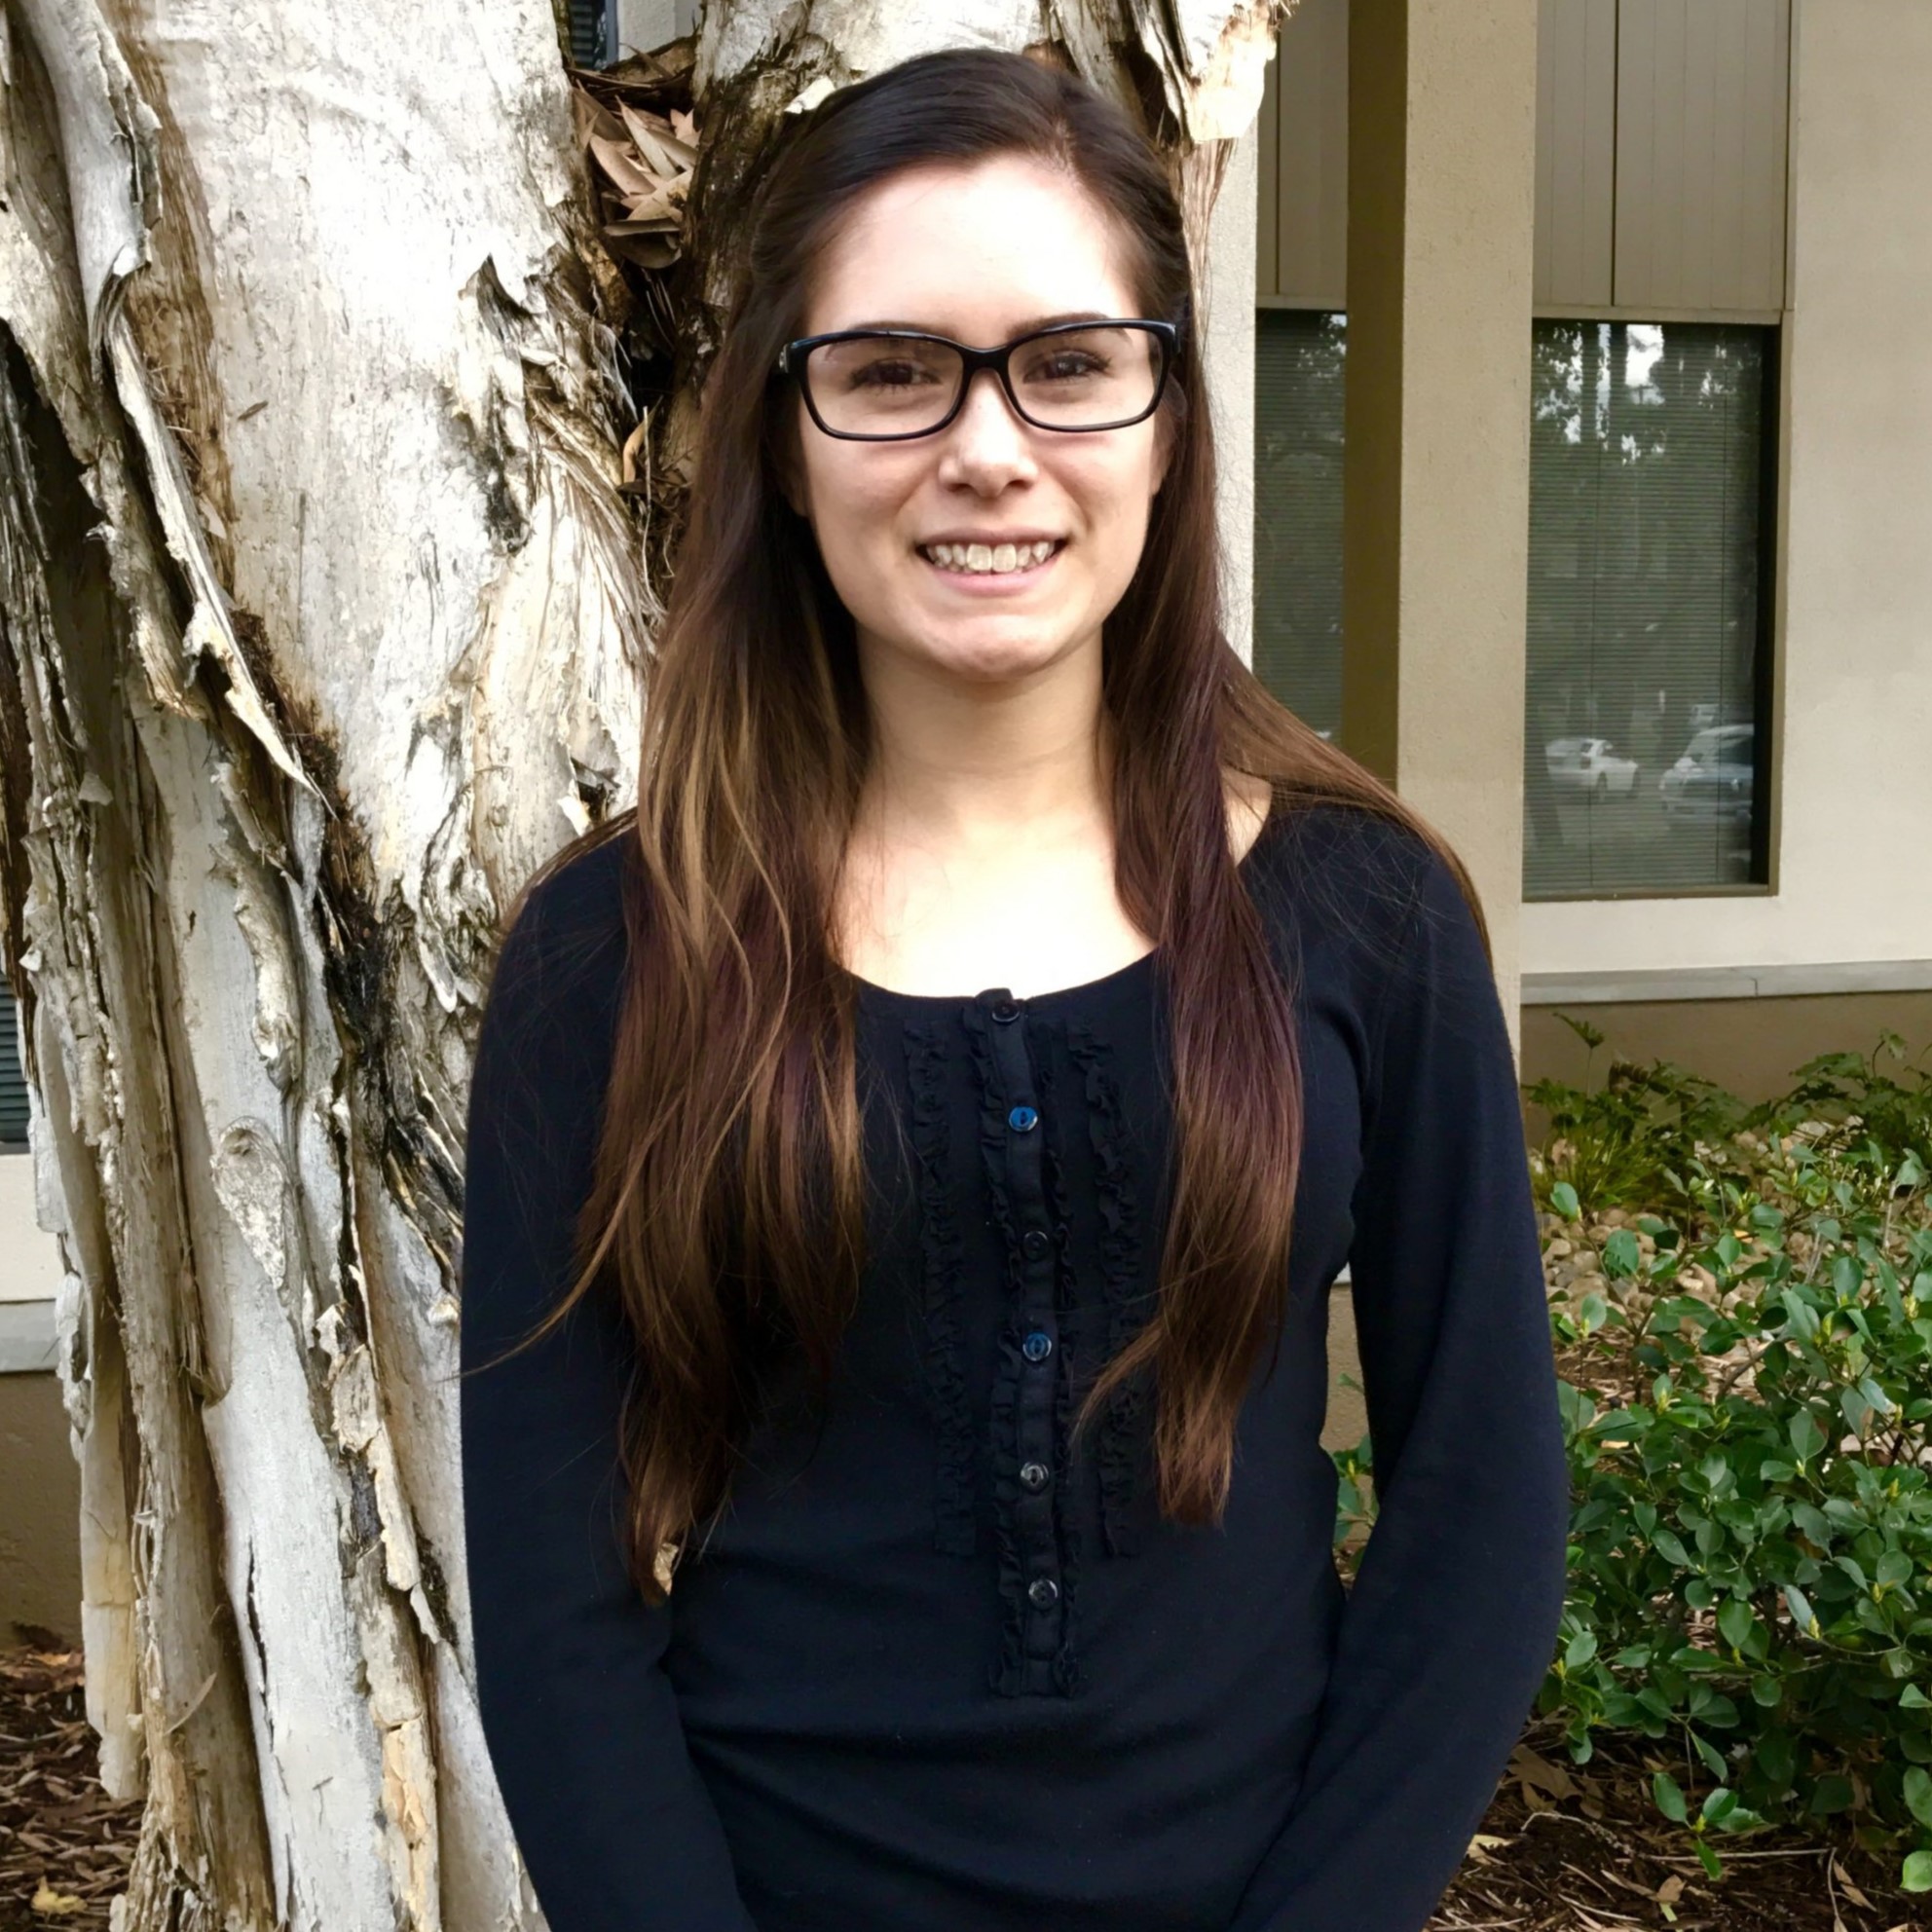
[[620, 163], [684, 127], [1536, 1773], [1850, 1890], [646, 251], [661, 148], [50, 1904], [652, 207]]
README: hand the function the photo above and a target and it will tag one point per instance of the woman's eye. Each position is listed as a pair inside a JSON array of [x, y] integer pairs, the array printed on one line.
[[1066, 367], [888, 375]]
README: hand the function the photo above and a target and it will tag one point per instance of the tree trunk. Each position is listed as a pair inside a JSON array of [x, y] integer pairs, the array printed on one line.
[[321, 601]]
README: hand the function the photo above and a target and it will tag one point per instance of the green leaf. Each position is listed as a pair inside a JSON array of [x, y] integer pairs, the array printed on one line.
[[1713, 1758], [1671, 1549], [1735, 1622], [1581, 1647], [1622, 1256], [1719, 1806], [1807, 1437], [1919, 1793], [1894, 1568], [1669, 1795], [1707, 1858], [1912, 1698], [1833, 1794], [1802, 1613], [1563, 1198], [1917, 1873]]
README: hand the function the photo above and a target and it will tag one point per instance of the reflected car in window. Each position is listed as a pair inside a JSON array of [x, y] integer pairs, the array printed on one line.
[[1588, 765], [1712, 780]]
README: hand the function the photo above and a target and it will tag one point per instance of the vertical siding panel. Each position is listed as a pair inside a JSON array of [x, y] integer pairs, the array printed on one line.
[[1636, 120], [1576, 151], [1268, 168], [1700, 165], [1766, 127], [1312, 169]]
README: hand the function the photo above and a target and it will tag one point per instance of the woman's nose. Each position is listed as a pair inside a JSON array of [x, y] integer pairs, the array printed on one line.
[[986, 432]]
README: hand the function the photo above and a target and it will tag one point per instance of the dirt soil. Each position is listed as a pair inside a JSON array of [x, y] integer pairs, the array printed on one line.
[[1561, 1850]]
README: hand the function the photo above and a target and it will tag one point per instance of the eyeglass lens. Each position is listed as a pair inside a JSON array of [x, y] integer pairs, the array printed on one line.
[[887, 386]]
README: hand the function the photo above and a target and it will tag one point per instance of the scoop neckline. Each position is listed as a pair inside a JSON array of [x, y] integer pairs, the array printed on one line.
[[872, 990]]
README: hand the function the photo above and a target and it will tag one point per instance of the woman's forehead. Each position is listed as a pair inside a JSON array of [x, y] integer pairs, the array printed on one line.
[[1001, 246]]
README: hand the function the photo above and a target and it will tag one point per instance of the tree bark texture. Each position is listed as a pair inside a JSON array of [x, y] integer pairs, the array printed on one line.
[[333, 519]]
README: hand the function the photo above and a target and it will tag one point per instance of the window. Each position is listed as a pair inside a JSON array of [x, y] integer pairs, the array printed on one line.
[[13, 1081], [1650, 526], [593, 32], [1298, 356]]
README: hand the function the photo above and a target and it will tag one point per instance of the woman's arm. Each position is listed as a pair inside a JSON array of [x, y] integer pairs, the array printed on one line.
[[615, 1828], [1452, 1619]]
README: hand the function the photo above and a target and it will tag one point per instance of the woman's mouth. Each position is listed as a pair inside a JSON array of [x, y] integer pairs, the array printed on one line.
[[986, 565]]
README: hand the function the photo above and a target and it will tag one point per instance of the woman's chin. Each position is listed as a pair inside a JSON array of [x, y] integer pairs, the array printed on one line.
[[996, 648]]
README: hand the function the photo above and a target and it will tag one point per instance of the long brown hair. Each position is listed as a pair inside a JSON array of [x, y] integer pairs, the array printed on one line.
[[727, 1201]]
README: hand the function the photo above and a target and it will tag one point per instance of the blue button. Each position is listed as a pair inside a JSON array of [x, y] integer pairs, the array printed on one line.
[[1022, 1120], [1044, 1592], [1037, 1345]]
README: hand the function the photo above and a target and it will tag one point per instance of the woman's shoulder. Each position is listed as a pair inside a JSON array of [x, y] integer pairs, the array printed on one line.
[[567, 941], [1329, 860]]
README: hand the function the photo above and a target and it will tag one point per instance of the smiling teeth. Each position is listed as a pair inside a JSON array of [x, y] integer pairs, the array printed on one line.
[[980, 558]]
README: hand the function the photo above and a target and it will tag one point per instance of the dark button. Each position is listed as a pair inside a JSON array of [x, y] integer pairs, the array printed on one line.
[[1034, 1475], [1006, 1011], [1033, 1241], [1044, 1591], [1037, 1345], [1022, 1120]]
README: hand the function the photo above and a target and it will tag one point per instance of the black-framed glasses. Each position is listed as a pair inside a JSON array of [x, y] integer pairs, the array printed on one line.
[[883, 386]]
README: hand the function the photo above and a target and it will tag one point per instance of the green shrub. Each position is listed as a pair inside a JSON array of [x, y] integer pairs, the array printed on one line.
[[1748, 1411]]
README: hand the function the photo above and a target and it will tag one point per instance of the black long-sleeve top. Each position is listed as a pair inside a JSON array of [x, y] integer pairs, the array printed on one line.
[[935, 1669]]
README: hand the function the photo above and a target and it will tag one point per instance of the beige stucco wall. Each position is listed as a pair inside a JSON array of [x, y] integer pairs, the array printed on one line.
[[29, 1261], [1853, 779]]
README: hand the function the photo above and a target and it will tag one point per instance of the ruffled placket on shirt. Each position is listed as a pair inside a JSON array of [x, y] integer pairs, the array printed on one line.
[[1033, 1527]]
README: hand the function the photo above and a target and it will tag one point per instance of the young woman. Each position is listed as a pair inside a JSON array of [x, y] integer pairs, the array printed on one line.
[[892, 1403]]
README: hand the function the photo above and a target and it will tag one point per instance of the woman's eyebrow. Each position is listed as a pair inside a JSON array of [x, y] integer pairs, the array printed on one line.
[[1026, 328]]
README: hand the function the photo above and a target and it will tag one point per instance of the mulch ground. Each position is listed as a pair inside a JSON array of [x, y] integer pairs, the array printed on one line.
[[1561, 1850], [64, 1845], [1569, 1849]]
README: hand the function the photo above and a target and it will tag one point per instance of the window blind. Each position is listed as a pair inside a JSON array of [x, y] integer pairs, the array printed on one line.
[[591, 32], [1641, 748], [1298, 389], [13, 1079]]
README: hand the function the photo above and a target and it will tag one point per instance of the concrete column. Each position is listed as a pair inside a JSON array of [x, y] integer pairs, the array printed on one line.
[[1229, 304], [1436, 500], [645, 26]]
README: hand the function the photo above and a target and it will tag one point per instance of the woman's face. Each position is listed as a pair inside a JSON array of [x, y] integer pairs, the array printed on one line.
[[981, 253]]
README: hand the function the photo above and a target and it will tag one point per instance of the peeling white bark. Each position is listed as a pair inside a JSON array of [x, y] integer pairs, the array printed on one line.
[[319, 625]]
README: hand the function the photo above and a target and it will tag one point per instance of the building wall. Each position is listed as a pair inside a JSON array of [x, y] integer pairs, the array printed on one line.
[[40, 1499], [1852, 785]]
